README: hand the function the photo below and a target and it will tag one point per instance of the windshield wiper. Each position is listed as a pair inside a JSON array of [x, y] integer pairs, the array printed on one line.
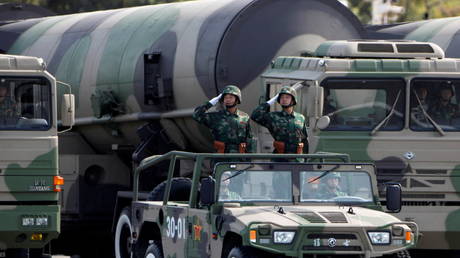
[[435, 125], [324, 174], [385, 120], [239, 172]]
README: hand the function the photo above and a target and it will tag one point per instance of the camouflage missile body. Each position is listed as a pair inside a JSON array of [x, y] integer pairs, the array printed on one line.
[[28, 156], [261, 220], [369, 91], [143, 63], [155, 64]]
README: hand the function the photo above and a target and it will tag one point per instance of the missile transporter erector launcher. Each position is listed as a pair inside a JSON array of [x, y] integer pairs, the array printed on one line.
[[392, 103], [152, 65]]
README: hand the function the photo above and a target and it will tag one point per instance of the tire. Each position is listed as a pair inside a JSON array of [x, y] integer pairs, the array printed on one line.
[[401, 254], [154, 251], [180, 190], [244, 252], [123, 234]]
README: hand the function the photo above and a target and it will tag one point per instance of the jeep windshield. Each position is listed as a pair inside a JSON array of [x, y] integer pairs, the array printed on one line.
[[255, 186], [335, 187], [286, 182]]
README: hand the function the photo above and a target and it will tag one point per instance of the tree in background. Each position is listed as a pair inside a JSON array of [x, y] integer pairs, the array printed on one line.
[[415, 10]]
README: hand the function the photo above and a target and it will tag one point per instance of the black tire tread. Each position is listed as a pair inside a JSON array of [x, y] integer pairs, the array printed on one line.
[[155, 249]]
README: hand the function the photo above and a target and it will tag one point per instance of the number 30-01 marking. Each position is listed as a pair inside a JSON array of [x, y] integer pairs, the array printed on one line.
[[173, 228]]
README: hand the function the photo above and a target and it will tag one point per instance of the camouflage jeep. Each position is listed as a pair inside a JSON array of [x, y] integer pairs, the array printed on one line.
[[260, 208]]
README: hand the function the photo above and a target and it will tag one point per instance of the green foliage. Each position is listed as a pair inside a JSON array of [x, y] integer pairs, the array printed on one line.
[[415, 10], [362, 9]]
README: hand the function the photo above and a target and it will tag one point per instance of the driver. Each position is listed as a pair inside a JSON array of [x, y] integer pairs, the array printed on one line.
[[330, 188], [8, 108], [225, 192], [443, 111]]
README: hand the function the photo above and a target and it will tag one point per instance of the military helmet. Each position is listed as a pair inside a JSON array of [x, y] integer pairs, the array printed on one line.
[[447, 85], [332, 175], [232, 89], [290, 91]]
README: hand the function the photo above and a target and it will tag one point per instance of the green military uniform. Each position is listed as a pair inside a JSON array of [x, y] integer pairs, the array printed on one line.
[[227, 127], [284, 127], [226, 194], [444, 114], [325, 192], [9, 113]]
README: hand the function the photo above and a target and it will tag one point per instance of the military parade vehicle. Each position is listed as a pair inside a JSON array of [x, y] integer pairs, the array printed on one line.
[[381, 101], [139, 72], [150, 66], [30, 184], [250, 205]]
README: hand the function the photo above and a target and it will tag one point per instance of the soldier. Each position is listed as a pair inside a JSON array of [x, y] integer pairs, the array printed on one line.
[[331, 187], [287, 127], [230, 127], [443, 111], [8, 109]]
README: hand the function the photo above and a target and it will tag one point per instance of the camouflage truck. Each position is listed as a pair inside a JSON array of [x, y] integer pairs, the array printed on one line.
[[381, 101], [261, 208], [30, 184], [138, 73]]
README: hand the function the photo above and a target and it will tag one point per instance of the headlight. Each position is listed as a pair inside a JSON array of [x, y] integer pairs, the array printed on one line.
[[283, 237], [379, 238]]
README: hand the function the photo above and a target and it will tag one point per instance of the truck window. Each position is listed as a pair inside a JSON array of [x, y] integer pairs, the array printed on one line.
[[440, 99], [335, 186], [361, 104], [25, 104], [260, 186]]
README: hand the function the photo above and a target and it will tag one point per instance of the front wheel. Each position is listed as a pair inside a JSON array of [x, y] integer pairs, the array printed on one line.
[[123, 234], [402, 254], [243, 252], [154, 251]]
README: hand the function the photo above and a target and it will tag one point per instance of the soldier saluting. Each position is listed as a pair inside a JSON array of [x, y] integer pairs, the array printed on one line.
[[230, 127], [287, 127]]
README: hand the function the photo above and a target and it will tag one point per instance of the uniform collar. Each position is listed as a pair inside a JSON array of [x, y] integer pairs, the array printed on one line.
[[237, 113], [284, 113]]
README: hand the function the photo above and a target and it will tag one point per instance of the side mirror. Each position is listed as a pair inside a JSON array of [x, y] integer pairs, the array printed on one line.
[[323, 122], [68, 110], [393, 196], [207, 190]]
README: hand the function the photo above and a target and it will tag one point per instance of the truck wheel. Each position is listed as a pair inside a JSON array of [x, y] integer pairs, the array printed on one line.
[[244, 252], [402, 254], [180, 190], [154, 251], [123, 234]]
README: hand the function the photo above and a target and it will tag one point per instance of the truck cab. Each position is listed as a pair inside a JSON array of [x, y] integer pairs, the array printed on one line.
[[30, 184], [392, 103], [252, 206]]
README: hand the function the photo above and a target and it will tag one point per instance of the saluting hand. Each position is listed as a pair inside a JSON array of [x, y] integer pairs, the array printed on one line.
[[215, 100]]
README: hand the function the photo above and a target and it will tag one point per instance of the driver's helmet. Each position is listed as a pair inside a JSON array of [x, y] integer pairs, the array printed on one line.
[[288, 90], [447, 85], [332, 175], [232, 89]]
